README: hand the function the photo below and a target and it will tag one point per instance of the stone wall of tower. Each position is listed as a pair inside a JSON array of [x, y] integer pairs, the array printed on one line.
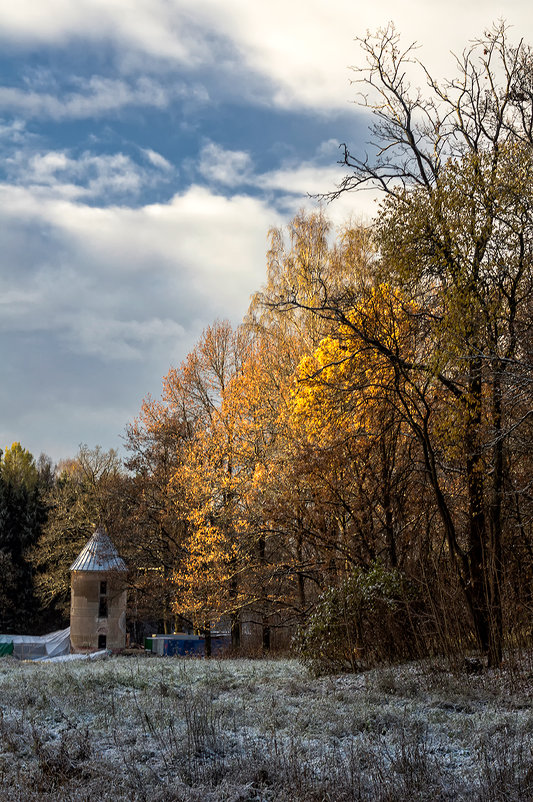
[[88, 626]]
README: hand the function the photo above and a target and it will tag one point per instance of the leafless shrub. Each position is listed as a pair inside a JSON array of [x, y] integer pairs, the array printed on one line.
[[61, 761], [506, 767]]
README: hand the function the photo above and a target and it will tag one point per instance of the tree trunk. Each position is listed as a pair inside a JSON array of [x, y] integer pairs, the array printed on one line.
[[482, 583], [266, 637], [496, 563], [387, 505], [301, 577], [235, 632]]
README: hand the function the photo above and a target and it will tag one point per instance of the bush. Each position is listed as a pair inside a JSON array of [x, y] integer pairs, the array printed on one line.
[[363, 621]]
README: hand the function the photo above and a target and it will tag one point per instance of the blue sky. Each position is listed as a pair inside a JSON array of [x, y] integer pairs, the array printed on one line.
[[147, 146]]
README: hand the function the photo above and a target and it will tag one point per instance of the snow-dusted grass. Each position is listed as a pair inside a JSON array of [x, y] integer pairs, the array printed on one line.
[[255, 731]]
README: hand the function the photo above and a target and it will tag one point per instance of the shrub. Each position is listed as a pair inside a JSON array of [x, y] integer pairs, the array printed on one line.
[[361, 622]]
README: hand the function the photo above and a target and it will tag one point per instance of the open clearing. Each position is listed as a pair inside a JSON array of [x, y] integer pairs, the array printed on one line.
[[261, 730]]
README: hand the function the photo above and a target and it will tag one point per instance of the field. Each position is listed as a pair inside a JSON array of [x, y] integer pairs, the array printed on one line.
[[136, 728]]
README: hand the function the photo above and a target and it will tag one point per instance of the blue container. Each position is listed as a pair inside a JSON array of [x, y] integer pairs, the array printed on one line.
[[183, 645], [220, 644]]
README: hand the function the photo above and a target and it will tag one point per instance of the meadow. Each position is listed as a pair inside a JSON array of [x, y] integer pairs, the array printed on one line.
[[140, 728]]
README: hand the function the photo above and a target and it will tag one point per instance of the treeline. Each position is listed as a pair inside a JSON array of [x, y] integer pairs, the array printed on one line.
[[357, 455], [355, 458], [48, 513], [352, 465]]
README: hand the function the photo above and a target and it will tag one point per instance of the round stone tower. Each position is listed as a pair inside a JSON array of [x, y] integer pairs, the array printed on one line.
[[98, 596]]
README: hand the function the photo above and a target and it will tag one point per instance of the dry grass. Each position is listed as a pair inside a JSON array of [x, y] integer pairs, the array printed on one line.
[[256, 731]]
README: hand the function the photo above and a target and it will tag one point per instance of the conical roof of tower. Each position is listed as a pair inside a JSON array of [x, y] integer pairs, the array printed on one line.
[[99, 554]]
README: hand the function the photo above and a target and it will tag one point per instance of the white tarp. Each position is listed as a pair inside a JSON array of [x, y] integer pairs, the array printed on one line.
[[33, 647], [67, 658]]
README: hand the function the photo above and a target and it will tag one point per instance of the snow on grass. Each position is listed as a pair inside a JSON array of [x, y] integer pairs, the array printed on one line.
[[254, 731]]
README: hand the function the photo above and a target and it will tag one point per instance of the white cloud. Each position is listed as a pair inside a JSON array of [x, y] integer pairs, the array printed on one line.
[[157, 160], [153, 26], [303, 187], [110, 296], [88, 176], [304, 48], [13, 302], [121, 339], [138, 284], [291, 186], [307, 179], [231, 168], [14, 131], [97, 302], [93, 97], [111, 275]]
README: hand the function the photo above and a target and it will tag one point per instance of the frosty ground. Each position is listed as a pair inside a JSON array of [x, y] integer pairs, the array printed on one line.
[[141, 728]]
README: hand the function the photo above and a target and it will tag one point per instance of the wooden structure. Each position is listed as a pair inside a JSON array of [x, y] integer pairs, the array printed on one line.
[[98, 597]]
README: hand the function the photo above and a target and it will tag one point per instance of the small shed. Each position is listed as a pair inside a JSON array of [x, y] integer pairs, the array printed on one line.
[[98, 596]]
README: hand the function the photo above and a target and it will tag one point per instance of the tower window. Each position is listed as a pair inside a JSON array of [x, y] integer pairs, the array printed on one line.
[[102, 600]]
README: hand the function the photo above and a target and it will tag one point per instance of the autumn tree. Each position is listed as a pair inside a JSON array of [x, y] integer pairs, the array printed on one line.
[[206, 477], [454, 235], [217, 460], [311, 492], [87, 491], [177, 445], [344, 398], [156, 441]]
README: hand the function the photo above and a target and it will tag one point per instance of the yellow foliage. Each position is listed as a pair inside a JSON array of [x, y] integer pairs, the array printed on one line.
[[342, 388]]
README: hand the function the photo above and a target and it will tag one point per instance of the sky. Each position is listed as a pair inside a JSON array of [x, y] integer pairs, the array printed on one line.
[[146, 149]]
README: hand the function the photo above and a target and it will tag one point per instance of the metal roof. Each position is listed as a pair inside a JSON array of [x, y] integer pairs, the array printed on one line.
[[99, 555]]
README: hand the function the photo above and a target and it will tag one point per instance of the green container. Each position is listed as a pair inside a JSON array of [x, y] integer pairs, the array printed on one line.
[[148, 644], [6, 648]]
